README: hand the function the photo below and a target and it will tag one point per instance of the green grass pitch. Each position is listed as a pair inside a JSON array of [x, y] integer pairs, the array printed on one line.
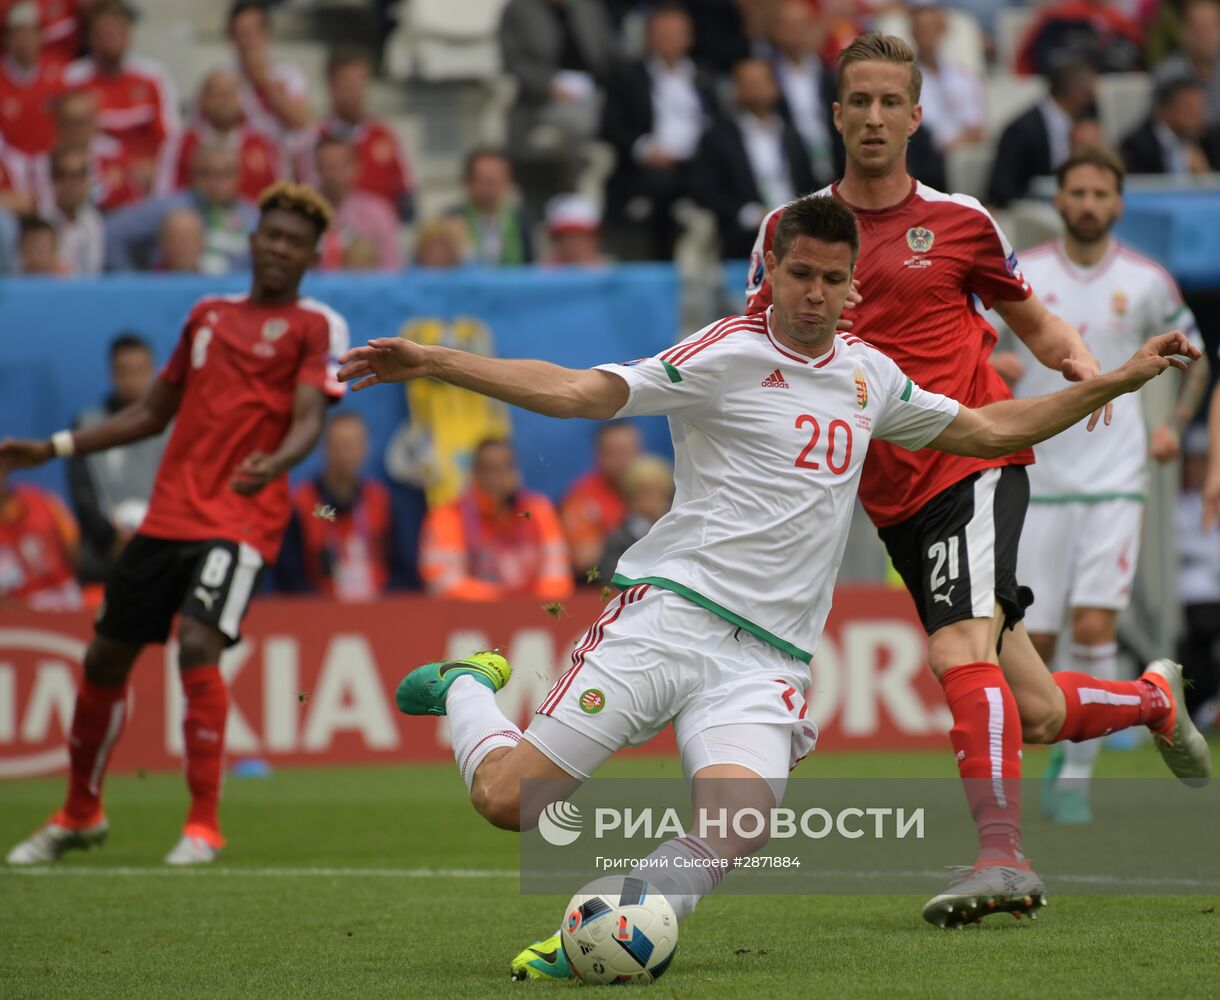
[[381, 882]]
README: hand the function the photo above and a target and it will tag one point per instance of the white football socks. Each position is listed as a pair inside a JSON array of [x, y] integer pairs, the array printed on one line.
[[684, 870], [1100, 662], [476, 725]]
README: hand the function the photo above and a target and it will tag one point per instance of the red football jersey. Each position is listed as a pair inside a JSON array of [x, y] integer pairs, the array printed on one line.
[[27, 121], [922, 263], [383, 165], [238, 365], [137, 105], [259, 161]]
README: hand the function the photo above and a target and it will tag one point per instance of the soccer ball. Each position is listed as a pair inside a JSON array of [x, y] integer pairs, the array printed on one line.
[[619, 930]]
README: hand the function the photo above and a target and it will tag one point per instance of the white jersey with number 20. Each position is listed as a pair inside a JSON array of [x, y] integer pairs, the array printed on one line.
[[768, 449]]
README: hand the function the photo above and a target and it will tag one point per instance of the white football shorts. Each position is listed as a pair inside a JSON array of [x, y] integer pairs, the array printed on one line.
[[653, 658], [1078, 555]]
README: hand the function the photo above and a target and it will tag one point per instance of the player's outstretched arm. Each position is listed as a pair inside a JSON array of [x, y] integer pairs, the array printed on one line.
[[142, 419], [1012, 424], [534, 385]]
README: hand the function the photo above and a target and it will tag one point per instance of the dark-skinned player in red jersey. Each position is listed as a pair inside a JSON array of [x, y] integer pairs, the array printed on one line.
[[952, 524], [247, 386]]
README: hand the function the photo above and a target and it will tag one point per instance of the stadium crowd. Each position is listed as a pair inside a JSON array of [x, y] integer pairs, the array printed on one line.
[[104, 167]]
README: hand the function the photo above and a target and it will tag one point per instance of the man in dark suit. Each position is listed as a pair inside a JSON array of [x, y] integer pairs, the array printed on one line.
[[807, 87], [656, 109], [1034, 143], [1175, 139], [750, 161]]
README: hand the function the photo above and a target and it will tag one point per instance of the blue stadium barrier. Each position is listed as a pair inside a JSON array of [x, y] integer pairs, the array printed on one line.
[[54, 336]]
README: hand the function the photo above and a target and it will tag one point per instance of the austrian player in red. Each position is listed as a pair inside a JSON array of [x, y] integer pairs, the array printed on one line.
[[952, 524], [247, 386]]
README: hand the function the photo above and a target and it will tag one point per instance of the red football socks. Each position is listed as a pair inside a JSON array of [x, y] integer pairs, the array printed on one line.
[[97, 722], [1096, 707], [203, 730], [986, 739]]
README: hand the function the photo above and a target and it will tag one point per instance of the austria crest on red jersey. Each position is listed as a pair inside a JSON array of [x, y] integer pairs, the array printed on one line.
[[919, 239], [275, 328]]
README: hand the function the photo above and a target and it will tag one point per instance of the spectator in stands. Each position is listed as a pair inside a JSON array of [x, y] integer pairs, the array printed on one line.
[[1097, 31], [383, 168], [1175, 139], [38, 247], [137, 104], [29, 82], [750, 161], [807, 86], [656, 109], [78, 225], [358, 214], [62, 24], [1199, 55], [38, 542], [442, 243], [574, 231], [596, 504], [180, 246], [112, 181], [220, 122], [132, 234], [559, 52], [497, 539], [1035, 142], [342, 541], [951, 97], [649, 486], [16, 194], [1198, 583], [500, 232], [274, 95], [110, 490]]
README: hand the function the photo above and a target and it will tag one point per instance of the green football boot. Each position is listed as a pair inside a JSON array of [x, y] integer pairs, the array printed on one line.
[[423, 690], [541, 960], [1054, 764], [1072, 803]]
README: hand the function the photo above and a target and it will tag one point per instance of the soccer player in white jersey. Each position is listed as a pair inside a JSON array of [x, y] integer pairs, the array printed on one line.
[[1082, 532], [724, 600]]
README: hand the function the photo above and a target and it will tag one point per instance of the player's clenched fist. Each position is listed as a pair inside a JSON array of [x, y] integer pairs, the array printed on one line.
[[386, 359], [24, 454]]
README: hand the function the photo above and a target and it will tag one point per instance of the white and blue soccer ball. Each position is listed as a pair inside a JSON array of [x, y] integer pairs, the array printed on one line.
[[618, 929]]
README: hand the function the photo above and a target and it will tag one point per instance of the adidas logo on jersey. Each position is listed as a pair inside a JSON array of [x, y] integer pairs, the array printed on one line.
[[775, 381]]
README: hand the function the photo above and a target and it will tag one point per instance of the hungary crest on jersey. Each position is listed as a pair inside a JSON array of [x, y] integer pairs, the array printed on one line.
[[861, 388]]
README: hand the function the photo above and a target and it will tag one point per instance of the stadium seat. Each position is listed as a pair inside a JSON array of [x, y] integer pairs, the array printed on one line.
[[446, 40], [963, 44], [1006, 97], [1011, 26], [1123, 101], [967, 168]]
